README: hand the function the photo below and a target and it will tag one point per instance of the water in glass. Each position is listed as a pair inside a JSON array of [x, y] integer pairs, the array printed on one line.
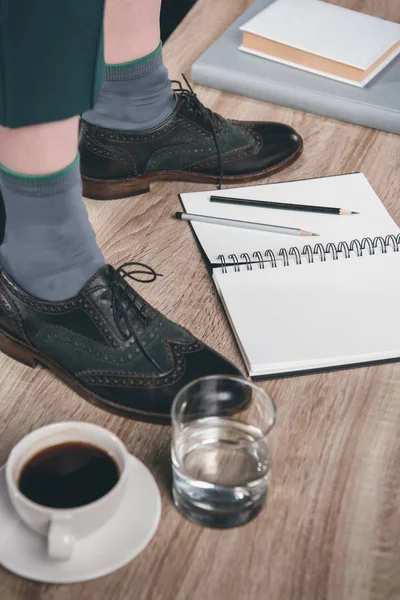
[[220, 470]]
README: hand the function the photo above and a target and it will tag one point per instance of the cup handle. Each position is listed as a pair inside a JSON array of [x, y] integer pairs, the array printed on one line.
[[60, 541]]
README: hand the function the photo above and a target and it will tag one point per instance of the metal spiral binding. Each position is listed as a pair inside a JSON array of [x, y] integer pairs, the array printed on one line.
[[221, 257], [344, 248], [308, 250], [248, 261], [381, 241], [357, 245], [319, 249], [296, 252], [283, 252], [271, 256], [367, 242], [259, 257], [354, 249], [331, 249], [235, 261]]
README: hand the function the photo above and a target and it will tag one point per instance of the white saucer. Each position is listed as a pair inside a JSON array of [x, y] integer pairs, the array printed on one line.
[[23, 551]]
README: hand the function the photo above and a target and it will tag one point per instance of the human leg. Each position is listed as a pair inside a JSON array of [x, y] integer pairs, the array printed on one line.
[[136, 94], [48, 245]]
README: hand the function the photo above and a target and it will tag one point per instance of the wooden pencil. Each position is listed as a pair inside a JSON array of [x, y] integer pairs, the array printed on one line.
[[283, 205]]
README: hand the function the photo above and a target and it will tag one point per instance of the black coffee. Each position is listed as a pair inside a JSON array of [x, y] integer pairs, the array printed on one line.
[[68, 475]]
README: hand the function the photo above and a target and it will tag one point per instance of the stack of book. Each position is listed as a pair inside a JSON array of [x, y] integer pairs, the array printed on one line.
[[311, 55]]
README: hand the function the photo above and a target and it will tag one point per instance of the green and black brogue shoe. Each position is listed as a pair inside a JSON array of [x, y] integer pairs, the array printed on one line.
[[193, 144], [107, 343]]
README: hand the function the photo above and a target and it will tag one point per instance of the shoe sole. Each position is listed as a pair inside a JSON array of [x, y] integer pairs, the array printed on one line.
[[30, 357], [115, 189]]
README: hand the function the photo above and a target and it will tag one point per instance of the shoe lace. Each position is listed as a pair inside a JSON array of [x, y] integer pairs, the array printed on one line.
[[189, 96], [123, 301]]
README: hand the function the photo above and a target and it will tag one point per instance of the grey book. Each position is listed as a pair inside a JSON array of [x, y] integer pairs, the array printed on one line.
[[223, 66]]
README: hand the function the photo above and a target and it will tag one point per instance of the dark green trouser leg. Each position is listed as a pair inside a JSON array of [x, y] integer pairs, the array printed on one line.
[[51, 59]]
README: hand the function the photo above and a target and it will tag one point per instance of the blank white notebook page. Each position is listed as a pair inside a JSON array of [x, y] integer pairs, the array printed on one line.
[[311, 316], [344, 191]]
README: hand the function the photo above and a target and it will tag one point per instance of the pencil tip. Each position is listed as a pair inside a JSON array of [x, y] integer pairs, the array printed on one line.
[[307, 233], [353, 212], [315, 234]]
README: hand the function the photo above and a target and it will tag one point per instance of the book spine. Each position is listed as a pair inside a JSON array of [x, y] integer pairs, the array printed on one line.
[[296, 98], [309, 254]]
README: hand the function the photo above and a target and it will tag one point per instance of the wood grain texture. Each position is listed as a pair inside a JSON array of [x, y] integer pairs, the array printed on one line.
[[331, 529]]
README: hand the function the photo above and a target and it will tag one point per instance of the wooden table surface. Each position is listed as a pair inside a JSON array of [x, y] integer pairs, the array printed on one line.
[[331, 528]]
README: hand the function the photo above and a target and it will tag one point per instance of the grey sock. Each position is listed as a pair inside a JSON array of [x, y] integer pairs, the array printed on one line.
[[49, 246], [135, 96]]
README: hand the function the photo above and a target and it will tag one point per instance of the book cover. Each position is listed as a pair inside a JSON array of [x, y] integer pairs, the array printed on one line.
[[323, 38]]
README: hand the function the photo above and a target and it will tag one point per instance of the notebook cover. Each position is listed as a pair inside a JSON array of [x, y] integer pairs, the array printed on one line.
[[223, 66]]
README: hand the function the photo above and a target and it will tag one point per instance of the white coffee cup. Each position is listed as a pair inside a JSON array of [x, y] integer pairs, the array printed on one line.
[[63, 526]]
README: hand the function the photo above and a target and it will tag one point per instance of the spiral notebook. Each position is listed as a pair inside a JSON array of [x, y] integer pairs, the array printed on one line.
[[296, 304]]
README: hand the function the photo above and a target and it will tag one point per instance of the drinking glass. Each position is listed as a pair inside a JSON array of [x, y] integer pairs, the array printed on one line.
[[220, 450]]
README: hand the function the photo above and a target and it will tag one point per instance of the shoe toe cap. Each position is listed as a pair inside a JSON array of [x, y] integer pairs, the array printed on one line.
[[208, 362], [279, 141]]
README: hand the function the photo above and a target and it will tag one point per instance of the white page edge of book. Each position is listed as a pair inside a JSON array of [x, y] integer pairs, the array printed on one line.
[[325, 56], [361, 84]]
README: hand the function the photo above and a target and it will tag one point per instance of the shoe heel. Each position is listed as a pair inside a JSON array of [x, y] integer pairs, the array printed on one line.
[[16, 351], [113, 189]]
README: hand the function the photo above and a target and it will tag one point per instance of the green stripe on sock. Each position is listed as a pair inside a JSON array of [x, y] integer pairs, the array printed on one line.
[[138, 62], [41, 178]]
